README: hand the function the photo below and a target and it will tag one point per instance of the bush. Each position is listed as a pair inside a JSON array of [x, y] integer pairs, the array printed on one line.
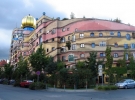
[[17, 83], [37, 85], [107, 87]]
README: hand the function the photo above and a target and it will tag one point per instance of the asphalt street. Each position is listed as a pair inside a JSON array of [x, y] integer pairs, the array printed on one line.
[[8, 92]]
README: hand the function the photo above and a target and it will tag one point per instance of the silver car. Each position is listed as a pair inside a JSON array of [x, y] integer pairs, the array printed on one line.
[[126, 83]]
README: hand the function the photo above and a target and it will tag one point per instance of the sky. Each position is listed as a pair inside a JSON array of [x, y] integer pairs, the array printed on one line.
[[12, 12]]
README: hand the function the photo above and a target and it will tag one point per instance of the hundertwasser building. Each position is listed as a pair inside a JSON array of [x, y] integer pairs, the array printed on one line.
[[85, 35]]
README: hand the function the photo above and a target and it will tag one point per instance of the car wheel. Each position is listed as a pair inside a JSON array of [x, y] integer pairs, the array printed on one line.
[[126, 87]]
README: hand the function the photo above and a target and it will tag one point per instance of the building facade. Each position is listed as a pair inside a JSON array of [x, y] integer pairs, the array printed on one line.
[[85, 35]]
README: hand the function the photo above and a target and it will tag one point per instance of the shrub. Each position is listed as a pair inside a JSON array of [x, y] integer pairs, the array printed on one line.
[[37, 85], [17, 83], [108, 87]]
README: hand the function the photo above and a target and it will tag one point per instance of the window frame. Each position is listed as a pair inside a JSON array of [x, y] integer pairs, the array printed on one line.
[[82, 45]]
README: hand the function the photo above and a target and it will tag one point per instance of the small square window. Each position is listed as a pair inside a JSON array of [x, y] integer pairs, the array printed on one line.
[[63, 29], [82, 45], [128, 36], [102, 54], [81, 35], [111, 33], [115, 55]]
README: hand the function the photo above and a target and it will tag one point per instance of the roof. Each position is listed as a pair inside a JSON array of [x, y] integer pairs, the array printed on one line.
[[3, 62]]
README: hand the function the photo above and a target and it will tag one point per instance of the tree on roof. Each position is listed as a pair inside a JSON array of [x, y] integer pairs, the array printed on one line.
[[117, 20]]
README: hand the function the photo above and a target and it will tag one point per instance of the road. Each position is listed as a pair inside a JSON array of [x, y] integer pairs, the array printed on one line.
[[8, 92]]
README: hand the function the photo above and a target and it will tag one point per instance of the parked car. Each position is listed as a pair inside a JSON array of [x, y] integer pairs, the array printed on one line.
[[25, 83], [11, 82], [1, 81], [126, 83]]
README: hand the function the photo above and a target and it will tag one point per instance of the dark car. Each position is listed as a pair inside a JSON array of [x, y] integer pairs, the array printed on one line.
[[1, 81], [26, 83], [11, 82], [126, 83]]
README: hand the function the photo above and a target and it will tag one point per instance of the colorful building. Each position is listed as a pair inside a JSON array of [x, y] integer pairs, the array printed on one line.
[[85, 35]]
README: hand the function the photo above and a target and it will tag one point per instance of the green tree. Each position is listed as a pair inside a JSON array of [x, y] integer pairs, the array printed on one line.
[[8, 70], [38, 59], [91, 63], [117, 20], [108, 64], [68, 44]]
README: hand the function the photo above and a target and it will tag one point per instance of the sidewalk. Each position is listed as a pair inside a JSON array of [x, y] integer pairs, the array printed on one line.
[[70, 90]]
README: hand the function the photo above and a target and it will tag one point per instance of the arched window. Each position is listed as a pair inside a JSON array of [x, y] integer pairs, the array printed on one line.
[[111, 33], [132, 46], [62, 39], [115, 44], [93, 45], [100, 34], [40, 39], [71, 58], [92, 34], [126, 46], [128, 36], [119, 34], [82, 55], [126, 56], [68, 37]]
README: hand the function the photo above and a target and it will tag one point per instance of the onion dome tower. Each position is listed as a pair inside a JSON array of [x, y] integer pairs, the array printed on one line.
[[28, 23]]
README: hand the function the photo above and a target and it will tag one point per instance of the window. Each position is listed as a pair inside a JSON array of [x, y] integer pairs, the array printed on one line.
[[91, 34], [81, 45], [111, 33], [46, 40], [63, 58], [73, 37], [102, 54], [63, 29], [115, 44], [40, 30], [132, 46], [22, 46], [134, 55], [52, 39], [82, 55], [125, 46], [133, 35], [100, 34], [128, 36], [73, 46], [62, 39], [102, 44], [37, 35], [119, 34], [68, 37], [76, 30], [67, 29], [126, 56], [37, 44], [93, 45], [24, 53], [53, 31], [115, 55], [63, 49], [53, 48], [81, 35], [71, 57], [40, 39], [47, 50]]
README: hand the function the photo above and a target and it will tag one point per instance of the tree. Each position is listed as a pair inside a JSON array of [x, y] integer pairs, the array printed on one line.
[[8, 70], [65, 19], [72, 16], [117, 20], [38, 59], [91, 65], [68, 44], [108, 64]]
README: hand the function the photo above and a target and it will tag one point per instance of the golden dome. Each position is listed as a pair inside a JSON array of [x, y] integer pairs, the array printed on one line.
[[28, 21]]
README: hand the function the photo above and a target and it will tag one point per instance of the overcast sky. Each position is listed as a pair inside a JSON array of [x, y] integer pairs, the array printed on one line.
[[12, 12]]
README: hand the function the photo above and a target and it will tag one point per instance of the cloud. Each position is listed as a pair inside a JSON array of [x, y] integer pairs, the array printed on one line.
[[11, 14], [103, 9]]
